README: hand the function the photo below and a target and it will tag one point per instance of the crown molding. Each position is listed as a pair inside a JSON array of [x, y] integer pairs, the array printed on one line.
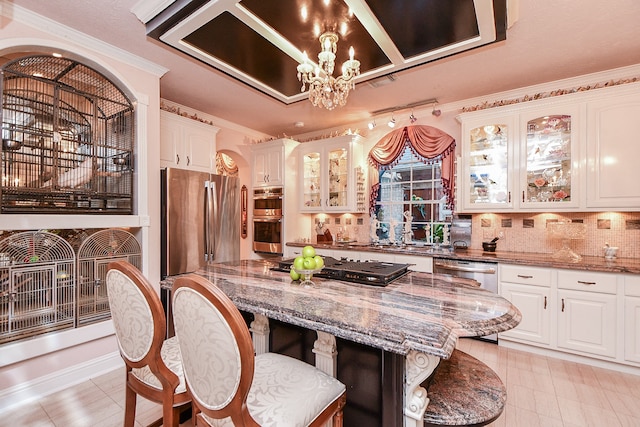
[[146, 10], [69, 35]]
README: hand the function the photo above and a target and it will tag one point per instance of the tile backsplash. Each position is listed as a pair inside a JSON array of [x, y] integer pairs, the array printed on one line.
[[528, 232]]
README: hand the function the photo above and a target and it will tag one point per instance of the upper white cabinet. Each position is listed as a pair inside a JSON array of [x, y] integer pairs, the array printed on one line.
[[487, 163], [570, 152], [332, 175], [186, 143], [613, 150], [268, 158], [522, 159]]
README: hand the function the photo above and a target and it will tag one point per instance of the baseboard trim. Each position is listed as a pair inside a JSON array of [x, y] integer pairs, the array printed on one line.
[[43, 386], [599, 363]]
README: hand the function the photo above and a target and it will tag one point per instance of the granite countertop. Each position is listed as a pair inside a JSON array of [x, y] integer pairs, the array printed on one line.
[[419, 311], [591, 263]]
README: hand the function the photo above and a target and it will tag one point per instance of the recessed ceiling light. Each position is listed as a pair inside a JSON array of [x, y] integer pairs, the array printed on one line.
[[298, 124], [56, 55]]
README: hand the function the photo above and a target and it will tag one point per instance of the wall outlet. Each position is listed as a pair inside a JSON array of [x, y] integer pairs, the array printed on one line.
[[502, 235]]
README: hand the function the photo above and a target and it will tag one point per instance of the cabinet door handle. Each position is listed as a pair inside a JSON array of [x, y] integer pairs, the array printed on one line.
[[509, 196], [522, 276], [523, 195], [188, 161], [545, 303], [563, 305], [177, 159], [586, 283]]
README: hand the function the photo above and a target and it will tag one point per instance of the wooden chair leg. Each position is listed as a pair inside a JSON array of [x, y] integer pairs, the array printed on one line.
[[337, 419], [129, 407]]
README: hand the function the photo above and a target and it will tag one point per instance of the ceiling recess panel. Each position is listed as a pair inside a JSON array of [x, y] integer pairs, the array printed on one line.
[[260, 42]]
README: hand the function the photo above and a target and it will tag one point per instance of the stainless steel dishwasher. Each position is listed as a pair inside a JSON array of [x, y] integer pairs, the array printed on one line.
[[486, 273]]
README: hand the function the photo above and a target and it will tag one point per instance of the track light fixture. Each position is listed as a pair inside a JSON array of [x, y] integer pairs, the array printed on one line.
[[372, 124], [412, 118], [436, 112], [392, 122]]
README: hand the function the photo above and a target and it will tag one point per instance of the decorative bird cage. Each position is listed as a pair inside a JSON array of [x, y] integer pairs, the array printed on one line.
[[37, 285], [94, 254], [67, 139]]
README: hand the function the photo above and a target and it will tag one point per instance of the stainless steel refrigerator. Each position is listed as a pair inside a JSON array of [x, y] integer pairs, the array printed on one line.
[[200, 220]]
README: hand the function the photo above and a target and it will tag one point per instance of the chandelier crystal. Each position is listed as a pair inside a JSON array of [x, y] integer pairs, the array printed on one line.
[[324, 89]]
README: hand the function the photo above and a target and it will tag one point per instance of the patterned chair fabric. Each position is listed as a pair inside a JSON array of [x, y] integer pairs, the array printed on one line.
[[228, 383], [153, 364]]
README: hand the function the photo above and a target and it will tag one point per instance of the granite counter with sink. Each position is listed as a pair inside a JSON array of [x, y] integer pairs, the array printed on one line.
[[590, 263]]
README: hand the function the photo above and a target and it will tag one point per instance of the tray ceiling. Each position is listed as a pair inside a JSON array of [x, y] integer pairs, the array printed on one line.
[[261, 42]]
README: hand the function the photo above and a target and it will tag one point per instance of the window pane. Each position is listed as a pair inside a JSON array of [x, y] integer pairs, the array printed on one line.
[[415, 188]]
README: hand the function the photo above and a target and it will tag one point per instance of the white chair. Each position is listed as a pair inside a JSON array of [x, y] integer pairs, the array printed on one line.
[[229, 385], [153, 364]]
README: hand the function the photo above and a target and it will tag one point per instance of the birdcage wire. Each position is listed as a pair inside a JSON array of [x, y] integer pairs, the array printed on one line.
[[94, 255], [37, 285], [68, 138]]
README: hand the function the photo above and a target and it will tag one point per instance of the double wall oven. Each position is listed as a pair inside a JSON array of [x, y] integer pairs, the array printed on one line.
[[267, 220]]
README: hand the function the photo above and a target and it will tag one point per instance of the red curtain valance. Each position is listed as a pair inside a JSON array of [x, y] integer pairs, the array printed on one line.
[[426, 142]]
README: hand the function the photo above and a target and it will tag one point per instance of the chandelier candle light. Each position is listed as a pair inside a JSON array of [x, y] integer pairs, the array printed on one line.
[[324, 89]]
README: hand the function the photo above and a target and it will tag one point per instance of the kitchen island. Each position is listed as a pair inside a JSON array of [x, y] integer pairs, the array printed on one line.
[[418, 316]]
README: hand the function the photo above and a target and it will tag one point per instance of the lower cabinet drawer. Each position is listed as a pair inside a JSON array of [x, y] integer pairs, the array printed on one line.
[[588, 281], [526, 275]]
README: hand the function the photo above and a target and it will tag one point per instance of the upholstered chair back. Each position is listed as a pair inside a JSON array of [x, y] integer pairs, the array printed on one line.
[[216, 347], [131, 314]]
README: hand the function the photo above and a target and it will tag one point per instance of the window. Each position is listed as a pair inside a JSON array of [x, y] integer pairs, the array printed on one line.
[[412, 188]]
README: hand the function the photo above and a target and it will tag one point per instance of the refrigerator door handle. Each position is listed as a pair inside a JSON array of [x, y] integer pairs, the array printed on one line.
[[213, 217], [207, 215]]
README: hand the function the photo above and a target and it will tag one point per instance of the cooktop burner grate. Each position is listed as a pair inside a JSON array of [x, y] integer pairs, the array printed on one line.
[[366, 272]]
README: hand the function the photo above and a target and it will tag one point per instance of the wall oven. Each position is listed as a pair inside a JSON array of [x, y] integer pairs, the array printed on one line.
[[267, 220]]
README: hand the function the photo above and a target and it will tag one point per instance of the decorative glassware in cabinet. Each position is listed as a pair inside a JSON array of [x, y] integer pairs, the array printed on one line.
[[338, 177], [548, 160], [311, 193], [488, 153], [360, 190]]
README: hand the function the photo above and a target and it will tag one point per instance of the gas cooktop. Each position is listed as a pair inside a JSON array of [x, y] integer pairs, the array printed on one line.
[[366, 272]]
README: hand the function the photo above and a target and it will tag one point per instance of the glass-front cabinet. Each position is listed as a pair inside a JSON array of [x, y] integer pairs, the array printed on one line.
[[547, 161], [488, 176], [486, 163], [329, 170], [520, 160]]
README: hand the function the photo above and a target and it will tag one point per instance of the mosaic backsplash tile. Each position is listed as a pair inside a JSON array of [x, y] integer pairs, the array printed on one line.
[[528, 232]]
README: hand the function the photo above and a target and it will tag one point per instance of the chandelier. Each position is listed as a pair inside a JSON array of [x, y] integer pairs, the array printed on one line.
[[324, 89]]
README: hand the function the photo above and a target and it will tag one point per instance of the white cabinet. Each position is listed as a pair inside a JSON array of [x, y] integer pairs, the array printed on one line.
[[529, 289], [487, 164], [613, 150], [331, 172], [186, 143], [421, 264], [587, 321], [568, 152], [632, 318], [269, 163], [524, 158]]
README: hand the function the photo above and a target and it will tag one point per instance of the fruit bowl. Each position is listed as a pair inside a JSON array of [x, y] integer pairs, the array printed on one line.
[[306, 275]]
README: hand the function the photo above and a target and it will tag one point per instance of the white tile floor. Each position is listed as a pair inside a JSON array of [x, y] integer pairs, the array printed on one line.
[[541, 391]]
